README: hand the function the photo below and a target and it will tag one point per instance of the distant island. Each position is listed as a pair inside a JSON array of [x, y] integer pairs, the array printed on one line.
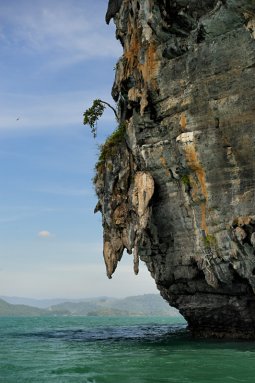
[[141, 305]]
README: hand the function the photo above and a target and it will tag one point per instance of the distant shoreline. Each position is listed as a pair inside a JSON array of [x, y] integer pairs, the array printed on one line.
[[148, 305]]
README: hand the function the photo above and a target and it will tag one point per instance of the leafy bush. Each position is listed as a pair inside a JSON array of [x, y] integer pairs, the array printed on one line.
[[109, 148], [92, 114]]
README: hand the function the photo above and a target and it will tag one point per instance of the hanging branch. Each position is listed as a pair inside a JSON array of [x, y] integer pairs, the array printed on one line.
[[112, 108]]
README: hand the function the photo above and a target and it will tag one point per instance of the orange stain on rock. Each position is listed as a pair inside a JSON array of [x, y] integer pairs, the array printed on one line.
[[183, 121], [195, 165], [203, 218], [151, 64], [164, 164], [142, 61], [132, 51]]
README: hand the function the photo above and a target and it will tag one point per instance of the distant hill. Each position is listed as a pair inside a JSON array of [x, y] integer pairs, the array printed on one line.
[[7, 309], [39, 303], [141, 305]]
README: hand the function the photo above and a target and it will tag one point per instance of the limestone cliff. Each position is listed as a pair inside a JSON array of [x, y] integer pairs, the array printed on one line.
[[179, 191]]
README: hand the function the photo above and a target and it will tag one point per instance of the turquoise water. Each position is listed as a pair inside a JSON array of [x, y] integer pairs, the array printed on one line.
[[117, 350]]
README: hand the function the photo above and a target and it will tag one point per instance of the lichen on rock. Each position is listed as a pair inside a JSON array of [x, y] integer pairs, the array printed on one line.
[[179, 192]]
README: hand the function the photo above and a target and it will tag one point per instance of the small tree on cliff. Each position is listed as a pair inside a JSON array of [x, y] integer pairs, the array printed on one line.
[[92, 114]]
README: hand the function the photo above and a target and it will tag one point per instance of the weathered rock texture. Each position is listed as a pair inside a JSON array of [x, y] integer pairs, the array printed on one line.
[[180, 191]]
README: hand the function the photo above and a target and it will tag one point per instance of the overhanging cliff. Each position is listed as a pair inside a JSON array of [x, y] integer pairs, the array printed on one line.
[[178, 190]]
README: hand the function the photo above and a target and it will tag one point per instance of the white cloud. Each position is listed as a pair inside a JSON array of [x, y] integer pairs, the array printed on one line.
[[64, 191], [49, 36], [75, 30], [9, 219], [13, 213], [44, 234]]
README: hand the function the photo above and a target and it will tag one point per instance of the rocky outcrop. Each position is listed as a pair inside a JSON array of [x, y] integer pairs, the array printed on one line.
[[180, 191]]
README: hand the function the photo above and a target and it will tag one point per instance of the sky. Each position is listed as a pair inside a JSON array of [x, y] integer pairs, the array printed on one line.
[[56, 56]]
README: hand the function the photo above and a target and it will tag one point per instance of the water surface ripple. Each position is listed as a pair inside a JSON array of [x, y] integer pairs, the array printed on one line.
[[113, 350]]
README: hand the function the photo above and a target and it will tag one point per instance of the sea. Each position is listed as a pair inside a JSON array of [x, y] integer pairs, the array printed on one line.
[[117, 350]]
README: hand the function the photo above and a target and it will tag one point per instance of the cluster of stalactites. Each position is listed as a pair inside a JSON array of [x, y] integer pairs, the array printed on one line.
[[128, 222]]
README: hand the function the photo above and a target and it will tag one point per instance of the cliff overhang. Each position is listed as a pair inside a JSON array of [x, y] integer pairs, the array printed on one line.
[[179, 193]]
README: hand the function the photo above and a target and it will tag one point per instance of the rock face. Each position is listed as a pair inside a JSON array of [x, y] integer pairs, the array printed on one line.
[[180, 191]]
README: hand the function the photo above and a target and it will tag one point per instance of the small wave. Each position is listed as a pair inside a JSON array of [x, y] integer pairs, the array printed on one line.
[[145, 333]]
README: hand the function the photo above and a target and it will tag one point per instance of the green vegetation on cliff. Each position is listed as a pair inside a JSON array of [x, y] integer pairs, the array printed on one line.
[[110, 147]]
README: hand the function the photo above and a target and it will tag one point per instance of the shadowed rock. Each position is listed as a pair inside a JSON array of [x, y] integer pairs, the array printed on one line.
[[113, 8]]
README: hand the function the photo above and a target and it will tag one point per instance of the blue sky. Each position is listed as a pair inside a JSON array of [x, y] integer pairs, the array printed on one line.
[[56, 56]]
